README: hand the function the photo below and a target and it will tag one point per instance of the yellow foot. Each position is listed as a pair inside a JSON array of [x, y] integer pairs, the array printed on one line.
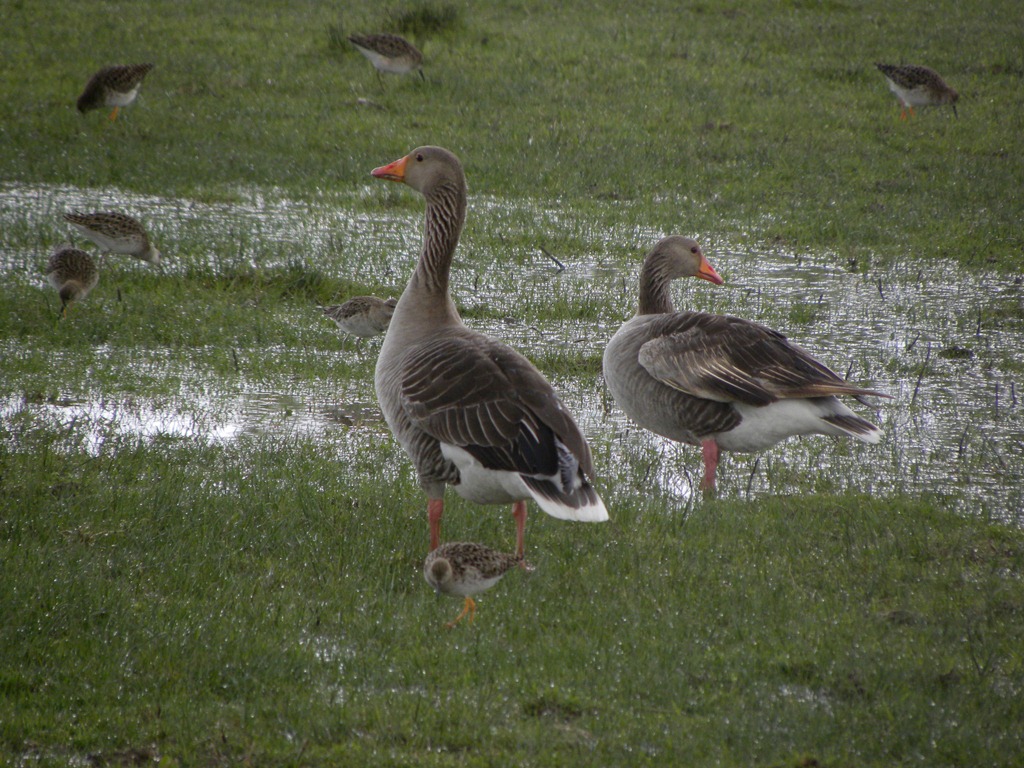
[[468, 607]]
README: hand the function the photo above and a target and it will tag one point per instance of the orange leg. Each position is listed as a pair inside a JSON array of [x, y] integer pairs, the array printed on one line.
[[468, 607], [709, 448], [113, 115]]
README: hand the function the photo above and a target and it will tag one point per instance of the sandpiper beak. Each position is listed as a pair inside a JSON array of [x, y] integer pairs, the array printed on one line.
[[392, 172], [707, 272]]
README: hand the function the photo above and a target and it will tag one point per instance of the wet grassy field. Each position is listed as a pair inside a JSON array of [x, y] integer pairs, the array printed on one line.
[[210, 545]]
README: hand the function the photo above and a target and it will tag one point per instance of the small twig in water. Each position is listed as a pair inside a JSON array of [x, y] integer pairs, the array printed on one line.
[[924, 368], [880, 294], [750, 480], [561, 266]]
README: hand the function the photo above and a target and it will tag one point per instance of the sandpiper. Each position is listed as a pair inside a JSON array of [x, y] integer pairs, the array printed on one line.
[[917, 86], [115, 87], [362, 316], [463, 569], [72, 272], [116, 233], [389, 53]]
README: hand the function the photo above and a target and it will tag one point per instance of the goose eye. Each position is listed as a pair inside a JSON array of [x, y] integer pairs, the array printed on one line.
[[419, 158], [694, 249]]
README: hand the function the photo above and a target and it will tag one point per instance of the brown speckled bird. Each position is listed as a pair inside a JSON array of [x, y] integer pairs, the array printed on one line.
[[116, 233], [463, 569], [362, 316], [389, 53], [917, 86], [115, 87], [72, 272]]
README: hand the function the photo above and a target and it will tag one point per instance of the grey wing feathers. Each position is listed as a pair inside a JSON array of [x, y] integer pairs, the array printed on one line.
[[476, 393], [728, 359]]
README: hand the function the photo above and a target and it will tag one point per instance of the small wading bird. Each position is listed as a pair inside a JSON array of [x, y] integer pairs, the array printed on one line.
[[116, 233], [389, 53], [917, 86], [72, 273], [115, 87], [718, 381], [362, 316], [470, 411], [464, 569]]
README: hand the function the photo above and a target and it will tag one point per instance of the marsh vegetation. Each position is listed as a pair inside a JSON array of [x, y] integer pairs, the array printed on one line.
[[210, 545]]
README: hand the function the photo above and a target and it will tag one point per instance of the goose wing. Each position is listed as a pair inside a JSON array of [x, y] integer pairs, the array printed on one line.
[[478, 394], [728, 359]]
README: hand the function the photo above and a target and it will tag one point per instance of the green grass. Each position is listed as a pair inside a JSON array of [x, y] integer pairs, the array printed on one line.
[[206, 601], [756, 119], [258, 599]]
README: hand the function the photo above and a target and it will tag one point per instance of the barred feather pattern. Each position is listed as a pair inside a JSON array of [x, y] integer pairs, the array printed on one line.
[[443, 221]]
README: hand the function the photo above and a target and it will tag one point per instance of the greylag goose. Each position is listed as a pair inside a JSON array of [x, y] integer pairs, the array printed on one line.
[[389, 53], [72, 273], [718, 381], [917, 86], [362, 316], [464, 569], [116, 233], [470, 411], [115, 87]]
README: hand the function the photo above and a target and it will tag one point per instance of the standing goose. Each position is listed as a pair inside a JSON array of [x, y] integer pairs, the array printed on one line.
[[470, 411], [717, 381], [72, 273]]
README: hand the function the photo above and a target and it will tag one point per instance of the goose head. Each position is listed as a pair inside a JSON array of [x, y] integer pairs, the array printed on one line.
[[425, 169], [677, 256]]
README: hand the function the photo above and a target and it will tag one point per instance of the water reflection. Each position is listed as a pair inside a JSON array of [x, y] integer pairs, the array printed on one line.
[[947, 343]]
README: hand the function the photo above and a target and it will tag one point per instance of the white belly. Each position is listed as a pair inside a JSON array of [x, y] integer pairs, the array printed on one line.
[[117, 99], [481, 485]]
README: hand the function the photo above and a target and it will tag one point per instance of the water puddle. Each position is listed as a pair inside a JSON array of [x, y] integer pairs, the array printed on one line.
[[947, 343]]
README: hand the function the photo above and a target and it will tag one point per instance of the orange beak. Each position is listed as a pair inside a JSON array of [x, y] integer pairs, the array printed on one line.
[[392, 172], [707, 272]]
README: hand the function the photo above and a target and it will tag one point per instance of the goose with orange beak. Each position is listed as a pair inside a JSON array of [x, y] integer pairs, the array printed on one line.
[[471, 412], [717, 381]]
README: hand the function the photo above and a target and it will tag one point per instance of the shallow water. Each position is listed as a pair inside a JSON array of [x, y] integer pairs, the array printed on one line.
[[945, 342]]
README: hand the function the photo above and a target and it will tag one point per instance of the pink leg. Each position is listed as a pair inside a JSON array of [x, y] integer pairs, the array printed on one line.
[[519, 514], [435, 508], [709, 448]]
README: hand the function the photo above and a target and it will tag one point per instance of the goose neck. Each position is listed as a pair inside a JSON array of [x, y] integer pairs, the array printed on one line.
[[655, 294], [445, 216]]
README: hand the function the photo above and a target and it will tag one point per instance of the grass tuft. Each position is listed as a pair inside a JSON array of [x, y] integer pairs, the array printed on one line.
[[425, 19]]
